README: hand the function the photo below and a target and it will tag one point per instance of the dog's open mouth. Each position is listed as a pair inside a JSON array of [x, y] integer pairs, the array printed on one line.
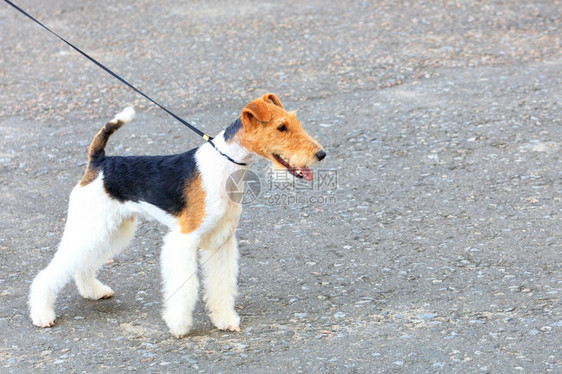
[[299, 172]]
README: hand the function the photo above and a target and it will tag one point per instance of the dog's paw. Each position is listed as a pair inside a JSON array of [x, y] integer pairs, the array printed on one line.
[[179, 326], [97, 291], [180, 331], [108, 293], [233, 329], [45, 319], [227, 321]]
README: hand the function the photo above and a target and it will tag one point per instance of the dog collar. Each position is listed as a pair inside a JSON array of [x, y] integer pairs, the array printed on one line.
[[209, 140]]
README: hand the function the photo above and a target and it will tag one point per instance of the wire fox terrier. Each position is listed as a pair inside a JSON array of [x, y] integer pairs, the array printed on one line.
[[185, 192]]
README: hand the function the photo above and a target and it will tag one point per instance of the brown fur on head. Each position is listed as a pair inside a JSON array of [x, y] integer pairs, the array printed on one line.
[[275, 134]]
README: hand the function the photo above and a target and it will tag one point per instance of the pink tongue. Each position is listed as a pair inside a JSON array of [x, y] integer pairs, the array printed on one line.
[[306, 173]]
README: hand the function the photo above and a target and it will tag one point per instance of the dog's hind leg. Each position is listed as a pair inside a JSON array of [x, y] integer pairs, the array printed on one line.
[[88, 228], [88, 285], [48, 283]]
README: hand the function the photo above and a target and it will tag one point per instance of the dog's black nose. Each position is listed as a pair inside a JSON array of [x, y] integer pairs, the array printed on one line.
[[321, 155]]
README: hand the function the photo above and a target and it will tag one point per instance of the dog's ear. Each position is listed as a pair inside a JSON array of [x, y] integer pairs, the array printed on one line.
[[257, 109], [272, 98]]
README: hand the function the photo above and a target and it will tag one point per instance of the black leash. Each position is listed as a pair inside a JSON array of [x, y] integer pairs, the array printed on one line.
[[207, 138]]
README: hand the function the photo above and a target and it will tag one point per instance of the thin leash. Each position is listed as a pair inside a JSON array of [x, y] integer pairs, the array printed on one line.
[[207, 138]]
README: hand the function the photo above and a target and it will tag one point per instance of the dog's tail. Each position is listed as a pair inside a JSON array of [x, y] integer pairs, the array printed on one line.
[[97, 147]]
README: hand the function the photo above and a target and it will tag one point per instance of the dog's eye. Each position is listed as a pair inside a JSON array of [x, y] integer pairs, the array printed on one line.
[[283, 127]]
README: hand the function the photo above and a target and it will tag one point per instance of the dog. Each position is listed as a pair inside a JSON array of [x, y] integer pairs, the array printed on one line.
[[185, 192]]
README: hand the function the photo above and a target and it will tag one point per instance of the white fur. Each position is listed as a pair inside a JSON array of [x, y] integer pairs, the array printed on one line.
[[96, 229], [99, 227], [125, 116], [178, 261], [152, 212]]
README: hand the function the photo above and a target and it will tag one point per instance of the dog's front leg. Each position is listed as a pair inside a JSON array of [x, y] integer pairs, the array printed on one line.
[[220, 270], [179, 278]]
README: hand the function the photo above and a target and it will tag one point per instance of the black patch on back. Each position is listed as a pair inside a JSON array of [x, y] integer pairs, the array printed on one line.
[[232, 129], [158, 180]]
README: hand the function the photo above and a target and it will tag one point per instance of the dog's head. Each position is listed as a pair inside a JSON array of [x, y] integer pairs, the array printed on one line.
[[275, 134]]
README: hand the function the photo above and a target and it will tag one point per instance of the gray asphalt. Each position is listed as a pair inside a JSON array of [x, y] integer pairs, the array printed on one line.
[[429, 241]]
